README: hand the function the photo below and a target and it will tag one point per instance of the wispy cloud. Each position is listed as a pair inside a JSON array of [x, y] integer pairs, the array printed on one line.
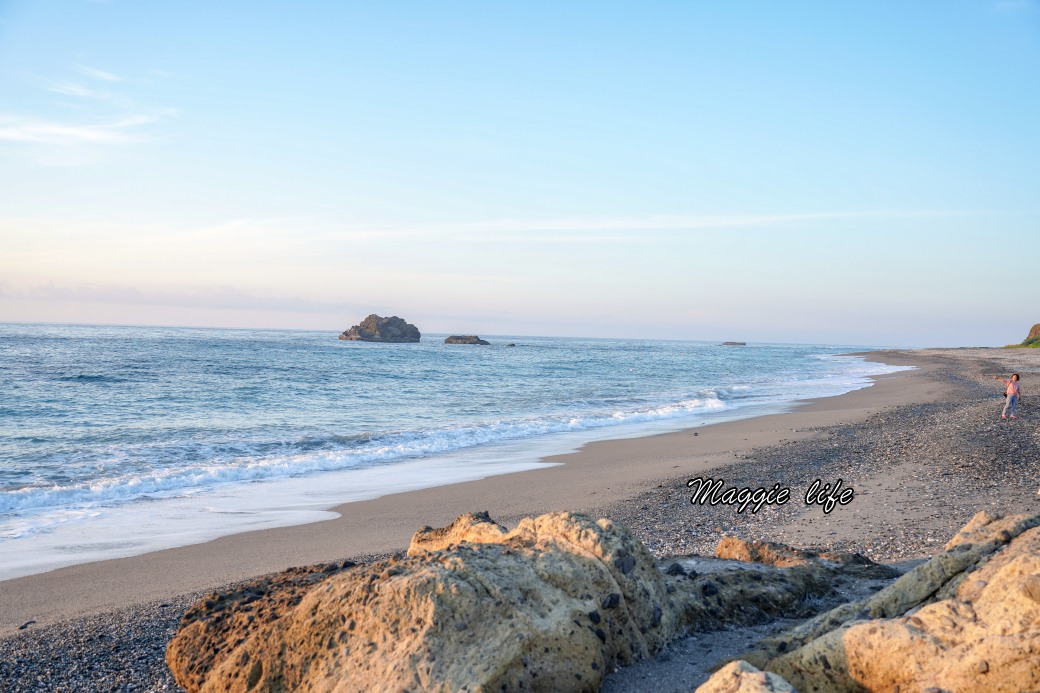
[[121, 131], [78, 90], [95, 73], [98, 113]]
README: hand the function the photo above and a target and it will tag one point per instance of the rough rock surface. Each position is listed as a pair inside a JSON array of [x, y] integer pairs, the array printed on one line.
[[966, 620], [377, 329], [466, 339], [549, 606], [1034, 335], [741, 677], [554, 604], [783, 556]]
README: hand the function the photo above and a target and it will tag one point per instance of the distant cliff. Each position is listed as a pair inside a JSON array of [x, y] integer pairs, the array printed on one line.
[[1034, 336], [389, 330]]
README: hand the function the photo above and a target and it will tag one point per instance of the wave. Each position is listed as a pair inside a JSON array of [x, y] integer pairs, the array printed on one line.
[[310, 455]]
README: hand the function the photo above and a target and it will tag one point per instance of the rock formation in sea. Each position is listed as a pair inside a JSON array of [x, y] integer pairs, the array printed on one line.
[[377, 329], [466, 339], [553, 605]]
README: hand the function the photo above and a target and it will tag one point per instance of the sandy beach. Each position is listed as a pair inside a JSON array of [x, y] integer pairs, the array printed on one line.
[[517, 346], [923, 451]]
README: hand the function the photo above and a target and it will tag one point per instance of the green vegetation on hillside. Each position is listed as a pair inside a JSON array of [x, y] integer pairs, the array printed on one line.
[[1032, 340]]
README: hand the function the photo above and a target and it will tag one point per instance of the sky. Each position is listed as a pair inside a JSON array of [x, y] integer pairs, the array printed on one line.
[[859, 173]]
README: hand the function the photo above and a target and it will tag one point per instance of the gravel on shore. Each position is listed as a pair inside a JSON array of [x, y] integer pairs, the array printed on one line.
[[941, 461], [926, 467]]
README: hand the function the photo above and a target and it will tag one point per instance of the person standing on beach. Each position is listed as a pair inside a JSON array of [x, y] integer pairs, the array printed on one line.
[[1012, 395]]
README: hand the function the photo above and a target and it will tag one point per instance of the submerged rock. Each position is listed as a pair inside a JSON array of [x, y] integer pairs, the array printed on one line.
[[377, 329], [466, 339]]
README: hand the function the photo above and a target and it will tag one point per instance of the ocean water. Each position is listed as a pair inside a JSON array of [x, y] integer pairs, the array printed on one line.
[[121, 440]]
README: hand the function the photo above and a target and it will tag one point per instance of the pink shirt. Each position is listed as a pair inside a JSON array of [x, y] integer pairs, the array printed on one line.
[[1012, 387]]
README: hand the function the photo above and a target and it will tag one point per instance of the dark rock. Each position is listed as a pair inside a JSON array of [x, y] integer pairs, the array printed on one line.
[[377, 329], [675, 569], [625, 564], [466, 339]]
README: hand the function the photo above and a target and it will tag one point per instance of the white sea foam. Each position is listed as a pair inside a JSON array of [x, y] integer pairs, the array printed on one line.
[[184, 470], [167, 482]]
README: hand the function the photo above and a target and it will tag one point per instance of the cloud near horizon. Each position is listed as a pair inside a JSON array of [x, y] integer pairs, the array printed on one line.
[[482, 231], [209, 297]]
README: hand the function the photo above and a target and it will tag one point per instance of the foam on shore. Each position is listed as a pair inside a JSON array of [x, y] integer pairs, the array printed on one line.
[[137, 515]]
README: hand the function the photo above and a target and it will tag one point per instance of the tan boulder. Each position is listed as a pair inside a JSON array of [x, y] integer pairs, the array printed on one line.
[[740, 677], [474, 528], [784, 556], [552, 605], [966, 620]]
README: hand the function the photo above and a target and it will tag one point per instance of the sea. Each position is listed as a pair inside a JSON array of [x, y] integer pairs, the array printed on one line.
[[116, 441]]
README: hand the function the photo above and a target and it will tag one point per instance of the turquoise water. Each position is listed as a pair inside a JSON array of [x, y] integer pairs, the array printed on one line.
[[119, 440]]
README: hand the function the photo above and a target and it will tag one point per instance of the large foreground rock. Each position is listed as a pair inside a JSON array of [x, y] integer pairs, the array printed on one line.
[[552, 605], [966, 620], [548, 606], [377, 329]]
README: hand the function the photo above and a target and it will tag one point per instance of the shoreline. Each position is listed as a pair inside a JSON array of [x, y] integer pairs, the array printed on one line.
[[590, 479], [189, 489], [924, 449]]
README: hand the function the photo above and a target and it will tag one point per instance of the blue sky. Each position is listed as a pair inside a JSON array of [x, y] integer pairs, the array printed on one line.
[[860, 172]]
